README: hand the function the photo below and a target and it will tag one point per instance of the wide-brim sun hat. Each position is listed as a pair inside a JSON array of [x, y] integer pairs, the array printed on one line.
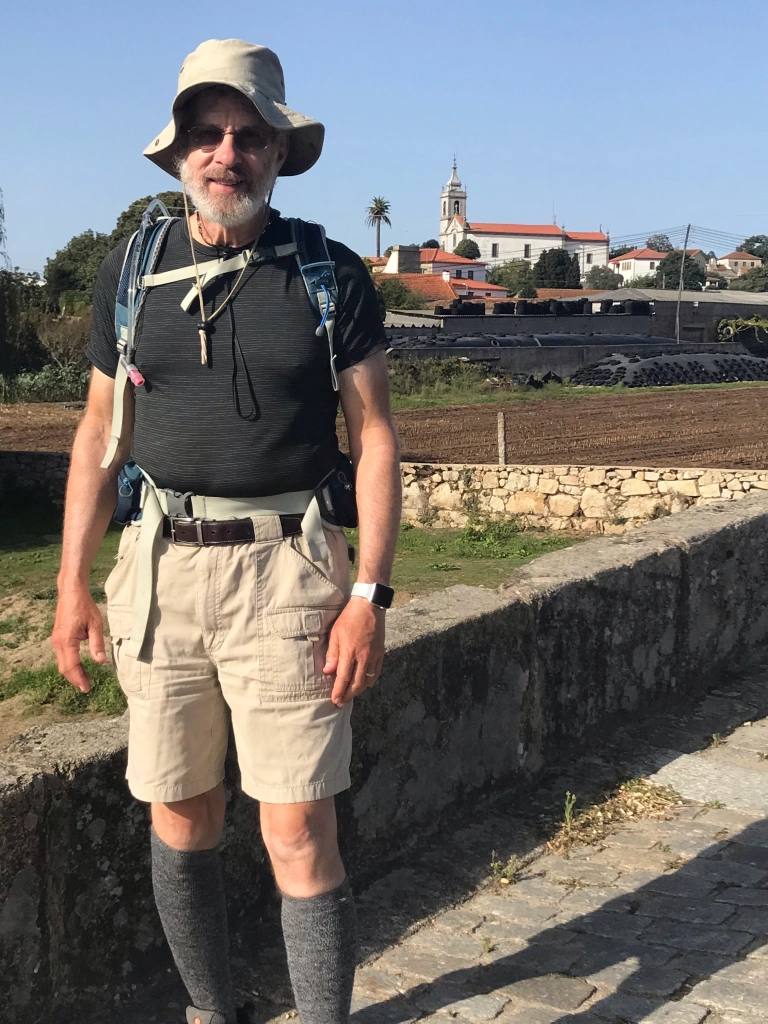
[[254, 71]]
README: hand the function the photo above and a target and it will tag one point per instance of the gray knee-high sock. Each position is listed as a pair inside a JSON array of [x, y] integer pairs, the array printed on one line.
[[321, 940], [189, 893]]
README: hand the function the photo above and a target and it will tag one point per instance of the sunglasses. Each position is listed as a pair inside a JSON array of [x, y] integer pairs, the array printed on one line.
[[208, 138]]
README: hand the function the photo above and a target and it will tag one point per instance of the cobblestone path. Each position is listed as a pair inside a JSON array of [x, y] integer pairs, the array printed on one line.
[[662, 921]]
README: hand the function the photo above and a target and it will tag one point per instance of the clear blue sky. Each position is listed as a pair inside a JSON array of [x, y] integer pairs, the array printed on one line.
[[632, 116]]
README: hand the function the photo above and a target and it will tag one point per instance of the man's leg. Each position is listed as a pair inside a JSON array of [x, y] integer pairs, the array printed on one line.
[[189, 892], [318, 914]]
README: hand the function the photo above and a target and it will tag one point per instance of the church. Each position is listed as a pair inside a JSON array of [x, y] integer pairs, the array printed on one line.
[[501, 242]]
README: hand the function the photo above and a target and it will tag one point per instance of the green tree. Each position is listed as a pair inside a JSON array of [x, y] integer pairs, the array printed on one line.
[[467, 248], [431, 243], [3, 236], [659, 242], [668, 273], [395, 294], [620, 250], [755, 280], [528, 288], [757, 245], [129, 219], [603, 278], [376, 215], [511, 275], [21, 304], [556, 269], [75, 267]]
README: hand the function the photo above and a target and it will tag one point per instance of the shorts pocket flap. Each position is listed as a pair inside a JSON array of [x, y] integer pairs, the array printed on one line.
[[295, 622]]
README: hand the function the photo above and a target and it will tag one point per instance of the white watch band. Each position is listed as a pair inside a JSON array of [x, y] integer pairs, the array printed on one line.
[[365, 590]]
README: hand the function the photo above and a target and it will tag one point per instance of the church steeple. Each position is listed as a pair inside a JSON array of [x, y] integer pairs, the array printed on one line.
[[453, 203]]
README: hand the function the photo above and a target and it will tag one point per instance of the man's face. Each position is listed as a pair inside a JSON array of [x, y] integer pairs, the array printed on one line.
[[230, 184]]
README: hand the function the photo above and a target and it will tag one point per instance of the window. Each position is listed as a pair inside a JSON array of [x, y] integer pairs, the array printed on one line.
[[494, 249], [445, 209], [652, 265], [458, 273], [471, 275], [456, 207], [526, 252], [589, 257], [454, 242]]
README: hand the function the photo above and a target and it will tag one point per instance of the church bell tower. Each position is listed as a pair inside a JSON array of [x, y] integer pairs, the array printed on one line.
[[453, 203]]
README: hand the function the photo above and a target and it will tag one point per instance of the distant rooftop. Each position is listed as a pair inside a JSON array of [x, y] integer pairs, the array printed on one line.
[[670, 295]]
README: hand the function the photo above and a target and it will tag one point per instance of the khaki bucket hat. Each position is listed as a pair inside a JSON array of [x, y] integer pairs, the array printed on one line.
[[254, 71]]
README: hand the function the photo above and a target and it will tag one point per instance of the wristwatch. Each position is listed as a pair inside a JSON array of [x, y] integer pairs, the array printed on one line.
[[376, 593]]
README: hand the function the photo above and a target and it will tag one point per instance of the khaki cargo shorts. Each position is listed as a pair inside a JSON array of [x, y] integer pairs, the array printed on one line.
[[238, 630]]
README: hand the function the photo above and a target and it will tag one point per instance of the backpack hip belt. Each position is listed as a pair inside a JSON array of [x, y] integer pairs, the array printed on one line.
[[159, 502]]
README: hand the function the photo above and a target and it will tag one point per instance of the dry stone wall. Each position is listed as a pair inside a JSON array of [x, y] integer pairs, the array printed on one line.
[[574, 499]]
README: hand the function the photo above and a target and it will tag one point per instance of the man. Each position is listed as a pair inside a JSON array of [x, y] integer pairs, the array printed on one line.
[[238, 407]]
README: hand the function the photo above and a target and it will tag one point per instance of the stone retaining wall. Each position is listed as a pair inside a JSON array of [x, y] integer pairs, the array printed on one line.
[[584, 499], [479, 687], [45, 471]]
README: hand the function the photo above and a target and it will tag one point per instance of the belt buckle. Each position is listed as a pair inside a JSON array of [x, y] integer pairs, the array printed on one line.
[[187, 519]]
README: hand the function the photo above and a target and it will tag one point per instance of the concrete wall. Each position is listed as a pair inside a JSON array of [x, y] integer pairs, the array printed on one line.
[[574, 499], [479, 686]]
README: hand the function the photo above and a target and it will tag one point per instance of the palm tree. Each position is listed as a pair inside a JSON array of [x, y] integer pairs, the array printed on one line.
[[377, 212]]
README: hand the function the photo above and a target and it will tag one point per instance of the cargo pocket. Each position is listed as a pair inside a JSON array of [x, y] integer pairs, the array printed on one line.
[[298, 638], [120, 589]]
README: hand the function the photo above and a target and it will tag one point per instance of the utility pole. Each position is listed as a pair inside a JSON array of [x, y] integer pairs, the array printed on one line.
[[680, 289]]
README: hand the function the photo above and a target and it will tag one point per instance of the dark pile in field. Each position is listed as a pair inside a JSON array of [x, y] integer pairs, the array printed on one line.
[[652, 371]]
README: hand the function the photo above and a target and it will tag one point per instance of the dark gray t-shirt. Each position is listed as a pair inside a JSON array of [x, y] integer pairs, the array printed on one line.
[[261, 417]]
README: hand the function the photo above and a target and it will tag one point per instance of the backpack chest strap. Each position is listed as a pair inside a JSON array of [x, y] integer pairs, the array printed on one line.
[[212, 269]]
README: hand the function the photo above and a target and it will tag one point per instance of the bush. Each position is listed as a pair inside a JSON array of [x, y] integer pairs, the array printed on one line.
[[412, 377], [51, 384], [395, 294]]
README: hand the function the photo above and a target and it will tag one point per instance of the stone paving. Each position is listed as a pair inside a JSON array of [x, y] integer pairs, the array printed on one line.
[[664, 921]]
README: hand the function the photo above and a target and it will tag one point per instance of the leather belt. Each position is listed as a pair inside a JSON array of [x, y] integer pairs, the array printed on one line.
[[203, 532]]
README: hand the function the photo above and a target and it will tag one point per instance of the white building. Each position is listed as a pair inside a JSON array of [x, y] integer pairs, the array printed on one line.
[[501, 242], [641, 262], [740, 262]]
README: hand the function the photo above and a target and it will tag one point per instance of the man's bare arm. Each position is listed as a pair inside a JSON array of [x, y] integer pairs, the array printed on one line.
[[90, 502], [356, 647]]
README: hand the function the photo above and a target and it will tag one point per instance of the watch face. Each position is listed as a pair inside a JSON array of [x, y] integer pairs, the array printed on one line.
[[382, 596]]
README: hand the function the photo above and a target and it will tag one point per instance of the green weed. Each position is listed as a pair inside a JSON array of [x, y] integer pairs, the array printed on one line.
[[505, 872], [47, 686]]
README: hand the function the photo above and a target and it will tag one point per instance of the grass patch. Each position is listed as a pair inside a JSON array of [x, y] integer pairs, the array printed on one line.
[[47, 686], [429, 559], [30, 549], [632, 800], [432, 383]]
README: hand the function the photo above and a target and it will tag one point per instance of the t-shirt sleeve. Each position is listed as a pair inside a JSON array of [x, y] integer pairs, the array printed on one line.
[[101, 350], [359, 328]]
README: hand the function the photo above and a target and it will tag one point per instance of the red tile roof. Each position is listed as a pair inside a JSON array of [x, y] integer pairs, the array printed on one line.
[[548, 230], [441, 256], [515, 229], [739, 255], [431, 287], [478, 286], [639, 254], [587, 236]]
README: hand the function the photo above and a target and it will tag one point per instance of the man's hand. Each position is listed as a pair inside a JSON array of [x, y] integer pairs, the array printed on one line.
[[77, 619], [355, 650]]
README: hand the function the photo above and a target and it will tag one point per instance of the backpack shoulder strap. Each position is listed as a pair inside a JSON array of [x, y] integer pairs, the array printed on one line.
[[141, 257], [317, 270]]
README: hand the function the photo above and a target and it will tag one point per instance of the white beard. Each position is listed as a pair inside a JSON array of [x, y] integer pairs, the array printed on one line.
[[228, 211]]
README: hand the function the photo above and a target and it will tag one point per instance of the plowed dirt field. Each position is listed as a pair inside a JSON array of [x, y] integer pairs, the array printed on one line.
[[717, 428]]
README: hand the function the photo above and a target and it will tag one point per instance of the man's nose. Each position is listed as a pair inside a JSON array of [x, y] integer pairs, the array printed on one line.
[[227, 153]]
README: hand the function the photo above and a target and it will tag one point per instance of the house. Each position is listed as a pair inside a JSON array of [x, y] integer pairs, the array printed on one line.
[[641, 262], [409, 259], [501, 242], [739, 262], [443, 289]]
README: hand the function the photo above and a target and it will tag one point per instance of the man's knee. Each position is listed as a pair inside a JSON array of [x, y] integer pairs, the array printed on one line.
[[194, 824], [299, 833]]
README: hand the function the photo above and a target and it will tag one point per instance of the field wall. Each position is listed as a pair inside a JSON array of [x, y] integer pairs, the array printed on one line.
[[480, 688], [573, 499]]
